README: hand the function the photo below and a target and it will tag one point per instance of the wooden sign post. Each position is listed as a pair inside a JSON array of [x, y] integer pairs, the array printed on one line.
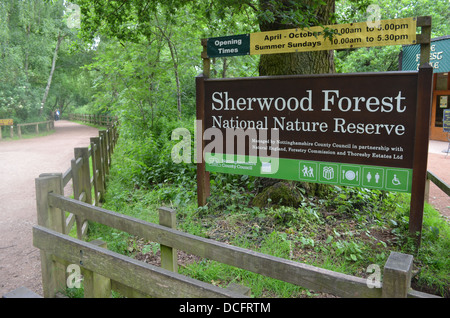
[[203, 181], [423, 114]]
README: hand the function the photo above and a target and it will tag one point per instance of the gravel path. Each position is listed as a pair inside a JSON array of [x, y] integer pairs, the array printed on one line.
[[439, 164], [21, 161]]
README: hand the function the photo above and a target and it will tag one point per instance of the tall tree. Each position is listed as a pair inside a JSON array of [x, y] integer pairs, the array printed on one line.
[[52, 69], [114, 18], [385, 58], [29, 30], [288, 14]]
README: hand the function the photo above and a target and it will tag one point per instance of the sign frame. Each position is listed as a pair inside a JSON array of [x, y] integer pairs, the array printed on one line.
[[423, 113]]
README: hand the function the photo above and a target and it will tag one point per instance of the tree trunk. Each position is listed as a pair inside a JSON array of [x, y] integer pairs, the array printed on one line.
[[49, 82], [174, 56], [316, 62]]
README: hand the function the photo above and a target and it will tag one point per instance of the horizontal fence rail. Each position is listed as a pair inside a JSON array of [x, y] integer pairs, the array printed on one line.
[[145, 278], [86, 186], [289, 271], [431, 177], [58, 248], [103, 120], [47, 126], [104, 270]]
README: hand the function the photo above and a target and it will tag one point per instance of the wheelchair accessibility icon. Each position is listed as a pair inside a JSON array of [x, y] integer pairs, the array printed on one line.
[[395, 180]]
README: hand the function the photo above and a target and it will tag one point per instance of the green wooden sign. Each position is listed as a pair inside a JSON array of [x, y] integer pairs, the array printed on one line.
[[234, 45], [439, 55]]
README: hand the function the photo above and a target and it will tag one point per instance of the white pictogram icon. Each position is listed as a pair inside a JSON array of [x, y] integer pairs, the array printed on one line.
[[350, 175], [308, 172], [266, 167], [328, 173], [395, 181]]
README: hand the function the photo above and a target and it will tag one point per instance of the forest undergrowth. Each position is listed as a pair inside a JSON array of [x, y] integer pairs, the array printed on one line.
[[344, 229]]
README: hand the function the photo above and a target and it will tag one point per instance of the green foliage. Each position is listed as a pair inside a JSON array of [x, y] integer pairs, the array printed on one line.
[[142, 69], [28, 35], [345, 232], [382, 59]]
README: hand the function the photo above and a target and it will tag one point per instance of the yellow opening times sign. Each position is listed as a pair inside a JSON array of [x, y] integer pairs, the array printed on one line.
[[352, 35], [346, 36], [6, 122]]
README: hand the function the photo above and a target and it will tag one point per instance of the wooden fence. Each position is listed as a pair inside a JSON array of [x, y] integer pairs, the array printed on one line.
[[48, 125], [103, 120], [88, 172], [104, 270]]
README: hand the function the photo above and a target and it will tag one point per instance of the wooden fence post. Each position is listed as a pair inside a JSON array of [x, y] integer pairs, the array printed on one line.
[[397, 275], [104, 140], [105, 150], [108, 146], [99, 179], [81, 185], [96, 285], [427, 190], [112, 140], [169, 257], [53, 274], [95, 197], [102, 159]]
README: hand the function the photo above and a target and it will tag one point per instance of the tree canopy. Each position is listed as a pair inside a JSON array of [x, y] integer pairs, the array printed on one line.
[[34, 50], [138, 58]]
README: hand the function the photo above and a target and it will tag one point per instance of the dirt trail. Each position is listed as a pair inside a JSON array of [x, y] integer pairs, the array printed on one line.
[[439, 164], [21, 161]]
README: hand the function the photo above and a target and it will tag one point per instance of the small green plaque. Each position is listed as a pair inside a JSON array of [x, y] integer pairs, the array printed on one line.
[[333, 173], [229, 45]]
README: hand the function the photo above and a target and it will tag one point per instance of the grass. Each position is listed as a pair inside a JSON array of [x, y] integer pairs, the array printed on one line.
[[347, 230]]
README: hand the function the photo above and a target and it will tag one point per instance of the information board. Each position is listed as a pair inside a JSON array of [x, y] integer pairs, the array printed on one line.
[[446, 120], [341, 129], [6, 122], [368, 130]]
